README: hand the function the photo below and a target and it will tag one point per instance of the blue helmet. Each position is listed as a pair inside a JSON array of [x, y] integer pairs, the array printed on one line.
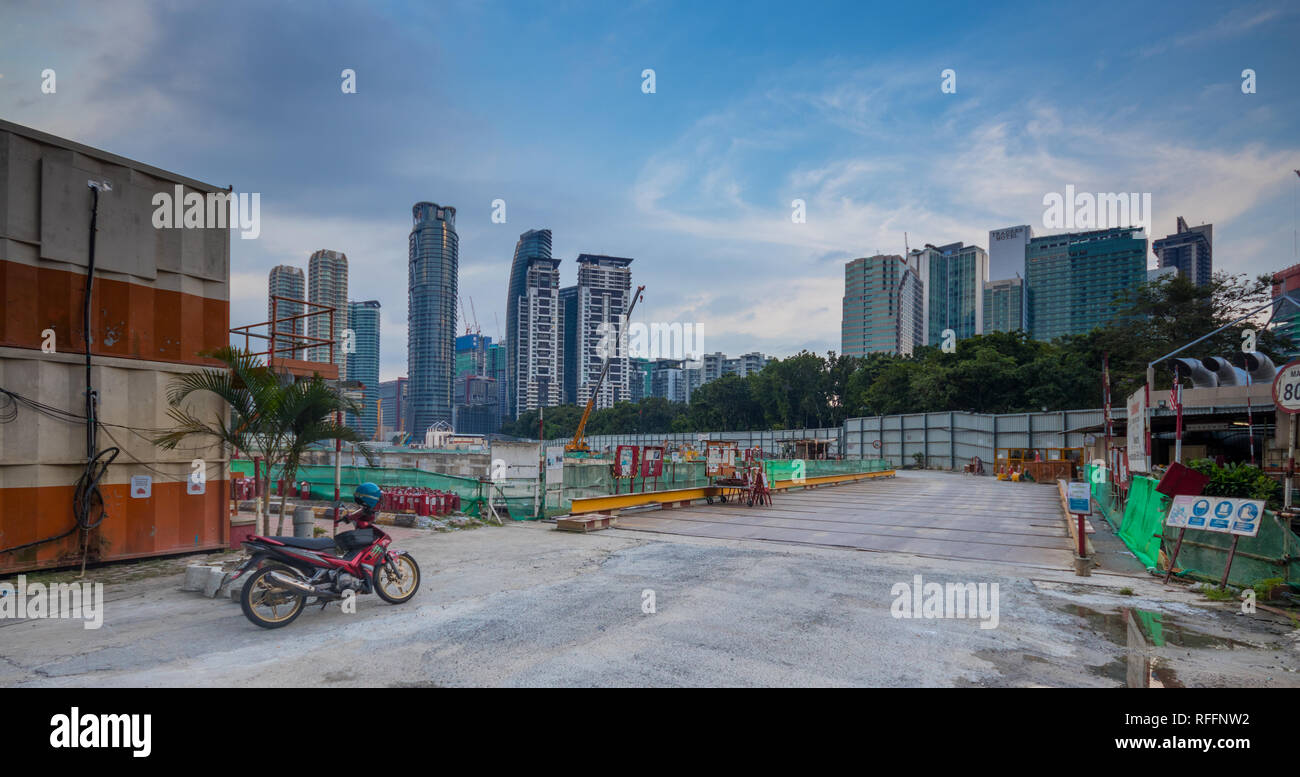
[[367, 495]]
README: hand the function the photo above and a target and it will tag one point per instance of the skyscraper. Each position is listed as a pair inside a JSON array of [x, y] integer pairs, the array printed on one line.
[[533, 244], [601, 297], [327, 284], [1190, 250], [537, 340], [569, 311], [1007, 251], [920, 260], [363, 363], [431, 315], [1004, 305], [1074, 279], [392, 399], [882, 306], [476, 408], [286, 281], [954, 290], [639, 384]]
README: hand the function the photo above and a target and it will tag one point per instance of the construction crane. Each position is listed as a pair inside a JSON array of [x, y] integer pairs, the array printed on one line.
[[579, 442]]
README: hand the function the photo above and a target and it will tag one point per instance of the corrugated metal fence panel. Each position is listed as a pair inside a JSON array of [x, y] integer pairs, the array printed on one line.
[[1017, 422], [953, 439]]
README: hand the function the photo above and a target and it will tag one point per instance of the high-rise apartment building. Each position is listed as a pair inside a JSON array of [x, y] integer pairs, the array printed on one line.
[[533, 244], [599, 300], [711, 366], [363, 364], [638, 385], [569, 311], [537, 341], [1073, 281], [750, 363], [1004, 305], [882, 306], [432, 273], [1190, 250], [286, 281], [668, 380], [327, 284]]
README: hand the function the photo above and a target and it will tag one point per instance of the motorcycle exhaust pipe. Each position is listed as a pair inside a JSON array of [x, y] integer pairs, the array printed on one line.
[[293, 584]]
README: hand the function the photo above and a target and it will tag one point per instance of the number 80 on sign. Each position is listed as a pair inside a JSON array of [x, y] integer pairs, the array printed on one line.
[[1286, 388]]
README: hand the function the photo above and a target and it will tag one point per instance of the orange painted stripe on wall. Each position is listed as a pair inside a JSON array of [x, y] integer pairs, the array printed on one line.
[[129, 320], [170, 521]]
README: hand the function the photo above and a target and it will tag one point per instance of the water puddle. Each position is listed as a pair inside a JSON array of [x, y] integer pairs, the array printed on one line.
[[1140, 633]]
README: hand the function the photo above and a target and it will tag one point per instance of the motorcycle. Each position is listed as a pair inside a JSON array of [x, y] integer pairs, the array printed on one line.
[[284, 572]]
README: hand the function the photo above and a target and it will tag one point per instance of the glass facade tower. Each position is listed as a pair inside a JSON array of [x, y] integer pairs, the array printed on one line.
[[1072, 280], [431, 315], [363, 364], [533, 244]]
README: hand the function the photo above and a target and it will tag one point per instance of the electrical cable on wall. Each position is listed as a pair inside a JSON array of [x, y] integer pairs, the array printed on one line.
[[88, 510]]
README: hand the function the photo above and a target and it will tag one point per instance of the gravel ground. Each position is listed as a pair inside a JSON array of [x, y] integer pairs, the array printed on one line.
[[525, 605]]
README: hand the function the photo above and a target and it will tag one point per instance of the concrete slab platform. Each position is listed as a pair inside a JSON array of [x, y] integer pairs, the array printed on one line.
[[938, 514]]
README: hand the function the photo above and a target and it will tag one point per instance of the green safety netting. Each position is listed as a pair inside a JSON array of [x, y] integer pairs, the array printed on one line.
[[582, 477], [1273, 553], [789, 469], [321, 478]]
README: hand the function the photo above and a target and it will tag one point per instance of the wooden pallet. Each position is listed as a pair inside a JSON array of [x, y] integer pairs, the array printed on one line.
[[585, 523]]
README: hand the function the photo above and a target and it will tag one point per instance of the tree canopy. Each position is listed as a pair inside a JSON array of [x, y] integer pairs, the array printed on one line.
[[1000, 372]]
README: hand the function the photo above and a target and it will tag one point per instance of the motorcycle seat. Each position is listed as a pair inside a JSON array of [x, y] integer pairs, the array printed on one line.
[[307, 543]]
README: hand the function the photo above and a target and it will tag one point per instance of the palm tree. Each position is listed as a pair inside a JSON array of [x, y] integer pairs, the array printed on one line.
[[306, 415], [268, 418]]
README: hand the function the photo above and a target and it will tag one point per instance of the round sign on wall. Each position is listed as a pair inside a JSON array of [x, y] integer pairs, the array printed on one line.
[[1286, 388]]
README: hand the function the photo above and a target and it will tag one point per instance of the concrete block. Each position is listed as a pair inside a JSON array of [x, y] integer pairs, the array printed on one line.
[[196, 577], [213, 582]]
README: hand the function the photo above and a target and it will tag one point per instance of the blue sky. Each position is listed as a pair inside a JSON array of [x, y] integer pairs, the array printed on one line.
[[756, 104]]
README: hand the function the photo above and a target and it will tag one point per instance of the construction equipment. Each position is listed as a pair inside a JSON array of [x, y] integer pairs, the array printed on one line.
[[579, 442], [742, 481]]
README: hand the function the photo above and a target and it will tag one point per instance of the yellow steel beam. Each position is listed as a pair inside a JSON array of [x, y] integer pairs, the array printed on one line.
[[592, 504], [595, 504], [823, 480]]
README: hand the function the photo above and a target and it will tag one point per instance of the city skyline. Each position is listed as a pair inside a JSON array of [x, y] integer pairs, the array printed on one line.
[[695, 179]]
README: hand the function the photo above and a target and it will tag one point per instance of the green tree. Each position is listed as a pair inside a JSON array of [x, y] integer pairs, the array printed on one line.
[[263, 417]]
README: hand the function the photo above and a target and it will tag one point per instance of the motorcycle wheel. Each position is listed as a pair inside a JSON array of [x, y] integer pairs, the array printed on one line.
[[260, 595], [394, 590]]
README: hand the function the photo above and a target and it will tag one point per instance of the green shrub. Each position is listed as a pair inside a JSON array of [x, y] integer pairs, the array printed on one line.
[[1218, 594], [1243, 481], [1265, 589]]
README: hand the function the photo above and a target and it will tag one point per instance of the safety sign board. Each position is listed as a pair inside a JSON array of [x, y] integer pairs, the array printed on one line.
[[1080, 498], [1226, 515]]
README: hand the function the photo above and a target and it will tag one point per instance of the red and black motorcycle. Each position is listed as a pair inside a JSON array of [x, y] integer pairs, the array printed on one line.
[[284, 572]]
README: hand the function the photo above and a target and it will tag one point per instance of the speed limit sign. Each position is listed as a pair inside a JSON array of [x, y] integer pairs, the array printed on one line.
[[1286, 388]]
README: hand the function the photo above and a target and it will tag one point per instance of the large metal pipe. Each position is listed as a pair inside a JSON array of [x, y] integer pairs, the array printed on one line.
[[1227, 373], [1194, 369], [1260, 367]]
